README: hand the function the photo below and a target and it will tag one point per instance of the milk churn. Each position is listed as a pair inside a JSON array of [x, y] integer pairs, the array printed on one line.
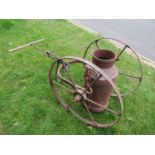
[[101, 90]]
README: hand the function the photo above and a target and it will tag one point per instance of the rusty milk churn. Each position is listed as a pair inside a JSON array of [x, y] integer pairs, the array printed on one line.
[[101, 90]]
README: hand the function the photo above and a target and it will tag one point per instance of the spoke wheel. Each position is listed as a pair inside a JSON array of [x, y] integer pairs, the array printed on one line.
[[134, 80], [77, 93]]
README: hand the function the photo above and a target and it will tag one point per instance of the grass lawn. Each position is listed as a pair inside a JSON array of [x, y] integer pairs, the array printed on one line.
[[27, 104]]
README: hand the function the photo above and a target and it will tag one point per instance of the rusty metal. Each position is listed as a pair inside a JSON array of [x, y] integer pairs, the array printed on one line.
[[81, 91], [101, 88], [98, 83], [139, 77]]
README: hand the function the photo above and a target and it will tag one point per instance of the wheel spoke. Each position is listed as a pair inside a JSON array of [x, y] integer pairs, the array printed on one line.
[[107, 109], [69, 90], [125, 74], [87, 109], [97, 44], [69, 76], [90, 115], [122, 51]]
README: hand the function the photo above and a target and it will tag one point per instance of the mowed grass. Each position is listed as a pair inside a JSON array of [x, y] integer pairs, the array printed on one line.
[[27, 104]]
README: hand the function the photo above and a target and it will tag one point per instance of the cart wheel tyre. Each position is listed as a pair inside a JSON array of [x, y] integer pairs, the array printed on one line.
[[125, 46], [78, 93]]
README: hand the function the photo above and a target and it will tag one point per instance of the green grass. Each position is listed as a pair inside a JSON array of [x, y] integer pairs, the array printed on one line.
[[27, 104]]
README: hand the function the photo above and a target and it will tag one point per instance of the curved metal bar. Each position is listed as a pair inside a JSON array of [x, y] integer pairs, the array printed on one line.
[[98, 125]]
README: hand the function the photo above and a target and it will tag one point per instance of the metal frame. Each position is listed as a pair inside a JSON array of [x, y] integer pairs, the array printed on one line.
[[118, 57], [79, 92], [82, 91]]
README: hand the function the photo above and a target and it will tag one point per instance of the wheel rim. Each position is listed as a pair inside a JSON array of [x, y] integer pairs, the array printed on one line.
[[90, 121], [139, 77]]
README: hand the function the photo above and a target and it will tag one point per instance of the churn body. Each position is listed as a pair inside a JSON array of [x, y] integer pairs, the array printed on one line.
[[101, 90]]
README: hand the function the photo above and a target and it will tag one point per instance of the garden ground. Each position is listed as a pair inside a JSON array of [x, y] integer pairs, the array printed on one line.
[[27, 104]]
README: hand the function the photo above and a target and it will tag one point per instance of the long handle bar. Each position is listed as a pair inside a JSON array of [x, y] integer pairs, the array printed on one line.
[[25, 45]]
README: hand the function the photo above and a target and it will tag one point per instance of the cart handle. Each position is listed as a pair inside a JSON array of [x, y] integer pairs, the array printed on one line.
[[25, 45]]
